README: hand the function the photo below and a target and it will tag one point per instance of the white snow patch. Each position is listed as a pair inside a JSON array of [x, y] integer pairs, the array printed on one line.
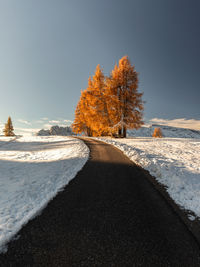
[[175, 162], [191, 217], [33, 170], [167, 131]]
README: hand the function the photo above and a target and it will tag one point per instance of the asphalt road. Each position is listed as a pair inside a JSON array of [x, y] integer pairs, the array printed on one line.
[[109, 215]]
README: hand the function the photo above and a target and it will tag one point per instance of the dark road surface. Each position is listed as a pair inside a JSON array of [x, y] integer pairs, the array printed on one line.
[[109, 215]]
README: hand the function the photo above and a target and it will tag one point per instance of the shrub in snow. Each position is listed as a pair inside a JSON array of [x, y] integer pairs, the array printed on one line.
[[157, 133]]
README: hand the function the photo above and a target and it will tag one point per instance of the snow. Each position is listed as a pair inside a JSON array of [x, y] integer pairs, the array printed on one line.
[[167, 131], [191, 217], [33, 171], [174, 162]]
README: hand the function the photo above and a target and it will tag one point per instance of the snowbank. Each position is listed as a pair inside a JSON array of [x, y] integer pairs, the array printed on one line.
[[175, 163], [33, 170]]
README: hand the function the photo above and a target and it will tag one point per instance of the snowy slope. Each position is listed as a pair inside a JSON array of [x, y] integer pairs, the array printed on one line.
[[168, 131], [175, 162], [33, 170]]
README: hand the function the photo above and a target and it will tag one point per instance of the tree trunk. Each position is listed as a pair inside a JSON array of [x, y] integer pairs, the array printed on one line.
[[89, 132], [124, 132], [120, 132]]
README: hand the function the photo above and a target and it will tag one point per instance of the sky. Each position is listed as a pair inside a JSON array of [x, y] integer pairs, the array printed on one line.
[[48, 50]]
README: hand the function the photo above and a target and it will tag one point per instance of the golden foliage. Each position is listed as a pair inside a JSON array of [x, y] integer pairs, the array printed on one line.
[[9, 130], [157, 133], [110, 105], [124, 84]]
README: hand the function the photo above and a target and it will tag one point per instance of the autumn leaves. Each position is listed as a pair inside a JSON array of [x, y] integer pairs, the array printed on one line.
[[110, 105]]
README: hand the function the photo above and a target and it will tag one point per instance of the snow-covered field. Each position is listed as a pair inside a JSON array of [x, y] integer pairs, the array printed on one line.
[[167, 131], [175, 162], [33, 170]]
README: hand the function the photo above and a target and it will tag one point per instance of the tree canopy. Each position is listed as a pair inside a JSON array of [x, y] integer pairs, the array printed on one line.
[[110, 105]]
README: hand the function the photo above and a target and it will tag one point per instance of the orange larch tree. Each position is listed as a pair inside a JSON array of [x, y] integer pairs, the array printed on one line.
[[97, 104], [93, 104], [112, 100], [124, 86], [79, 124], [82, 115]]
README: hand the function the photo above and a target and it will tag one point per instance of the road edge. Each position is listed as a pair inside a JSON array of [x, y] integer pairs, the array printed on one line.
[[192, 226]]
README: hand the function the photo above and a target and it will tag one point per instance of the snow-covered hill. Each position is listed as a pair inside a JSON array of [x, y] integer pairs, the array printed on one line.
[[168, 131]]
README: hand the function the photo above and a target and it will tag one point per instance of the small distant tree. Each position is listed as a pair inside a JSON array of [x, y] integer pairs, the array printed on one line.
[[157, 133], [9, 130]]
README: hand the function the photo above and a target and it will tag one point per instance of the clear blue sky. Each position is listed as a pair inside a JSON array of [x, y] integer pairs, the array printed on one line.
[[48, 49]]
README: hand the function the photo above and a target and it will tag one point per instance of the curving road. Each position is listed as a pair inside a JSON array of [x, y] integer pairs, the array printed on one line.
[[109, 215]]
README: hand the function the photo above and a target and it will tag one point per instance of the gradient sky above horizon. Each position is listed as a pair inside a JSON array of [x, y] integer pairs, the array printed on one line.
[[49, 48]]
